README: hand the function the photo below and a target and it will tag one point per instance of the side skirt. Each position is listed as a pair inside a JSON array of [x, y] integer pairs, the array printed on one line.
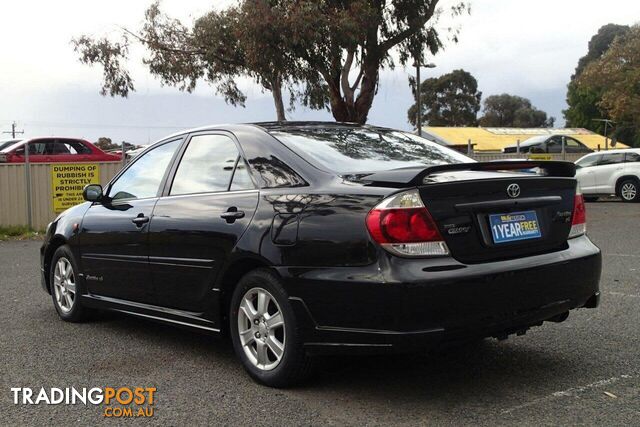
[[161, 314]]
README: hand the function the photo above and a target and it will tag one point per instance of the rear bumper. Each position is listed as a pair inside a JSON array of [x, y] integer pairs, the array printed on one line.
[[408, 303]]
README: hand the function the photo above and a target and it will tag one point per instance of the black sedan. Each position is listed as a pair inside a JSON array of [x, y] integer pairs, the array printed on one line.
[[549, 144], [302, 238]]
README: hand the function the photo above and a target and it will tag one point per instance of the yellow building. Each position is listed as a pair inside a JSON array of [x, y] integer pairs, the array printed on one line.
[[495, 139]]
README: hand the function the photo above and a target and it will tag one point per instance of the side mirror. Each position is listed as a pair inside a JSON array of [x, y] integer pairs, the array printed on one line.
[[92, 193]]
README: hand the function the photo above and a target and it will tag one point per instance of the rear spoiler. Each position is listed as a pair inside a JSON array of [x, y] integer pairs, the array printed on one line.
[[415, 176]]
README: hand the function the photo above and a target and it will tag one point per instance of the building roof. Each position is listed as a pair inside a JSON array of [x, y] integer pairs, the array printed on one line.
[[495, 139]]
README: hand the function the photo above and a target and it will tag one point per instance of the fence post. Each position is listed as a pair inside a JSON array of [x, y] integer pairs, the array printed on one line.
[[518, 146], [124, 156], [27, 175], [564, 150], [469, 148]]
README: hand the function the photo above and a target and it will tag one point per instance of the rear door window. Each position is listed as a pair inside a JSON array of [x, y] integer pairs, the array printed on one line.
[[241, 178], [207, 166], [76, 147], [612, 159]]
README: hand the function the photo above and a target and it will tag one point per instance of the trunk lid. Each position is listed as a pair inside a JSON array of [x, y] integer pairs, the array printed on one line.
[[479, 213], [476, 214]]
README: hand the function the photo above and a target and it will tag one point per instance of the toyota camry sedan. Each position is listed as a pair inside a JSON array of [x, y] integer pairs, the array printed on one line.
[[297, 239]]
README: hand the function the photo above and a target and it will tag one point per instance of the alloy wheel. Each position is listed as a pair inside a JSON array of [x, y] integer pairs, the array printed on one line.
[[64, 285], [261, 329], [628, 191]]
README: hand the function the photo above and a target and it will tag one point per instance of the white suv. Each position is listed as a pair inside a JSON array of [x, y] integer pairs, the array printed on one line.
[[611, 172]]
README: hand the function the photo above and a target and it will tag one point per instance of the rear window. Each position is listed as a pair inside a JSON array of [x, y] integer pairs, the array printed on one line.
[[6, 144], [534, 140], [352, 150]]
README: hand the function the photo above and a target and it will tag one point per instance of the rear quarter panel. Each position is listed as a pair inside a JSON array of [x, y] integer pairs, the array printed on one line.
[[312, 229]]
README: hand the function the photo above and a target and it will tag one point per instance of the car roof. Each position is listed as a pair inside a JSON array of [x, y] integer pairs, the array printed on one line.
[[614, 151], [273, 126], [21, 142]]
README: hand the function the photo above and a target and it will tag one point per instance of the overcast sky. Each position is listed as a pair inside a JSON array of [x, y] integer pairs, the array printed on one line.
[[524, 48]]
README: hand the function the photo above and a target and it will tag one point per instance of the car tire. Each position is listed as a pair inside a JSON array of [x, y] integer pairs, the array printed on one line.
[[590, 198], [65, 286], [629, 190], [272, 355]]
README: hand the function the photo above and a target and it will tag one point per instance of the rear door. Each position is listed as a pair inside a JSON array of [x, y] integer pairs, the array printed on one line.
[[610, 167], [114, 239], [207, 206]]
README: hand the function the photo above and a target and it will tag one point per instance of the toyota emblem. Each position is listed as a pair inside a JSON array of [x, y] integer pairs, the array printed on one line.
[[513, 190]]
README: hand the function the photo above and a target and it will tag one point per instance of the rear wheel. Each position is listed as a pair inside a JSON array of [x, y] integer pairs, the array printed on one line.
[[629, 190], [64, 286], [264, 331]]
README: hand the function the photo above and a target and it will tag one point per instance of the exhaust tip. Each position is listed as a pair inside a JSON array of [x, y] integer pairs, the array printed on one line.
[[593, 301]]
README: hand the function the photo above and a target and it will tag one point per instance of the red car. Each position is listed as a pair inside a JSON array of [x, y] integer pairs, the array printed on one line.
[[55, 149]]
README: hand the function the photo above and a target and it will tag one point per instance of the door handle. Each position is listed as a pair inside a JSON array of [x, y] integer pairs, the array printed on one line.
[[140, 220], [232, 214]]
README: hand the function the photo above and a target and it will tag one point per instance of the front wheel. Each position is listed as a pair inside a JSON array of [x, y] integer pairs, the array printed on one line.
[[64, 286], [264, 331], [629, 191]]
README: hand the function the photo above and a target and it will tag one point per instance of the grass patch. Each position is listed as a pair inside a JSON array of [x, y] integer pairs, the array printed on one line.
[[19, 232]]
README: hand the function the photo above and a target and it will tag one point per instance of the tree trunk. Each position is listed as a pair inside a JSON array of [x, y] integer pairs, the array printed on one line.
[[276, 91], [348, 110], [364, 101]]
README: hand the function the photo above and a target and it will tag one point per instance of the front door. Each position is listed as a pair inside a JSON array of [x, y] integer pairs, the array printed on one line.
[[114, 239], [194, 228], [586, 173]]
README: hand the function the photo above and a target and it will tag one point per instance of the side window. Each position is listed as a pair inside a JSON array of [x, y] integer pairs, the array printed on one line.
[[632, 157], [612, 159], [37, 148], [56, 148], [143, 177], [589, 161], [77, 147], [554, 145], [206, 166], [572, 143], [241, 178]]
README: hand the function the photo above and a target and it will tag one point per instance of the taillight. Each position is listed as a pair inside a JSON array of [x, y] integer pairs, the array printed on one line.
[[579, 217], [402, 225]]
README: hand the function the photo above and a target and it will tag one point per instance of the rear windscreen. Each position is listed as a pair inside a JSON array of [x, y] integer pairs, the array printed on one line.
[[352, 150]]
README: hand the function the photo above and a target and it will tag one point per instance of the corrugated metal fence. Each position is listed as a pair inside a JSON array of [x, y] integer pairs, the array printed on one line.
[[13, 188], [13, 192]]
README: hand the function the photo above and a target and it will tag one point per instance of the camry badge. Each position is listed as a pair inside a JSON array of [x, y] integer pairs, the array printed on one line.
[[513, 190]]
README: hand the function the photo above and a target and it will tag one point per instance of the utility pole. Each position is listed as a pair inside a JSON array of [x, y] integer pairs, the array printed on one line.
[[607, 122], [13, 131]]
